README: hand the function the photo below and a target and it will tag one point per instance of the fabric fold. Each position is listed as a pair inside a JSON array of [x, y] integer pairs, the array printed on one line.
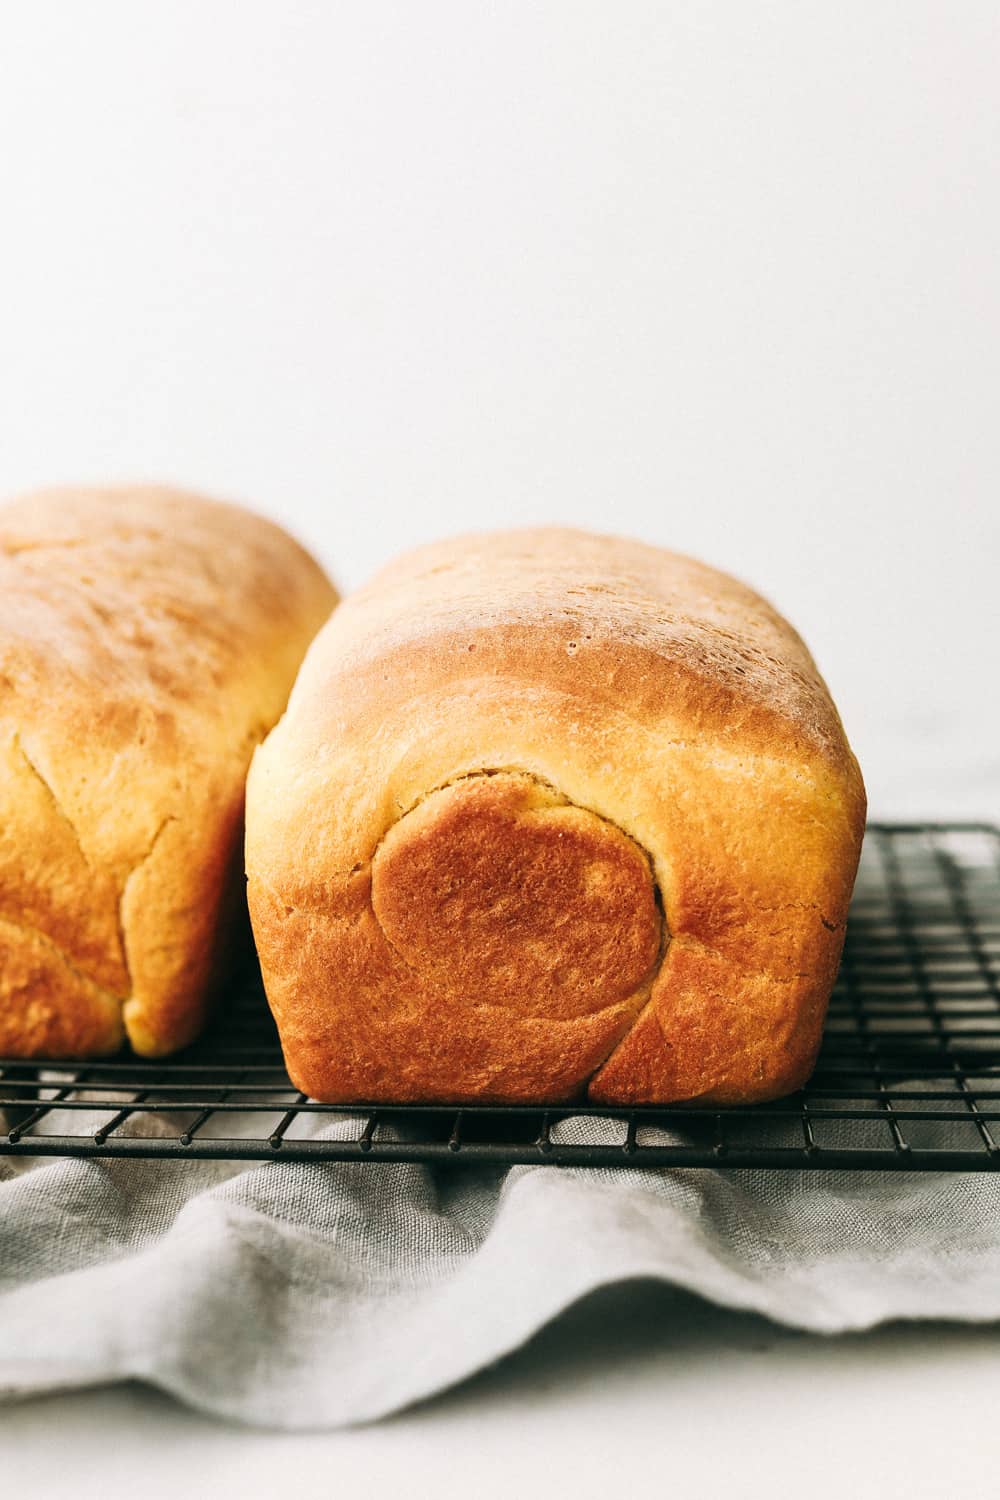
[[317, 1295]]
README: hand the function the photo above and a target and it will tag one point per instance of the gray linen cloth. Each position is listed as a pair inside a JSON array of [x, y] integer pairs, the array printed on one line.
[[308, 1295]]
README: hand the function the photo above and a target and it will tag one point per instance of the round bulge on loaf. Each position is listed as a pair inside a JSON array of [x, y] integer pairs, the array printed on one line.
[[148, 640], [552, 816]]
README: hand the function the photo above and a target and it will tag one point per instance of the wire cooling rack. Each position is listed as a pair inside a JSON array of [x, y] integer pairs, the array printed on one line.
[[908, 1078]]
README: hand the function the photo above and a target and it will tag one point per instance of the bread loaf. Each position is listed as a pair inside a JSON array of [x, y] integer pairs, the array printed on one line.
[[553, 816], [148, 641]]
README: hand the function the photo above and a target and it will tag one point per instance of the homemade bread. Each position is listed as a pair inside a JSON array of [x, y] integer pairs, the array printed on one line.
[[148, 640], [551, 816]]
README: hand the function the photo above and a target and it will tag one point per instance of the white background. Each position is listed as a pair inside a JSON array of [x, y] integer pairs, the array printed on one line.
[[725, 276]]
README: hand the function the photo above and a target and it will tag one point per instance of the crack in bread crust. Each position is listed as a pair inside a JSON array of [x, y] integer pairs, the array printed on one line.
[[143, 859], [59, 809], [26, 1026], [50, 794], [53, 947]]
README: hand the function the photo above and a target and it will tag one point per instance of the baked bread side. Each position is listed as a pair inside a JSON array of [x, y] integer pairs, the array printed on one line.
[[148, 641], [553, 815]]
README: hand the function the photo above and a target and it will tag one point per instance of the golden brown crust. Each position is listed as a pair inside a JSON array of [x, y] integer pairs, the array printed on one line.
[[148, 640], [654, 706]]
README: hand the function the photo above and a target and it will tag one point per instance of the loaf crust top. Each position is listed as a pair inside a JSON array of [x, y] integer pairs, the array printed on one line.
[[132, 609], [595, 614]]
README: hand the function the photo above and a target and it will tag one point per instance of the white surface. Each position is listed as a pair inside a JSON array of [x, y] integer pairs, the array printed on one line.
[[638, 1392], [721, 275]]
